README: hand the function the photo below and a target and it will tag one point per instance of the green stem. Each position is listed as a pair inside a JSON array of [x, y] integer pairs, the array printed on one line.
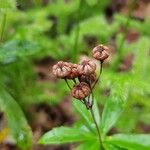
[[100, 72], [97, 128], [77, 31], [67, 83], [125, 33], [3, 27]]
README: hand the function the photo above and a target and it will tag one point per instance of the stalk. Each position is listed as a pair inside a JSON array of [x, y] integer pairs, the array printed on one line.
[[3, 27], [97, 128], [77, 31]]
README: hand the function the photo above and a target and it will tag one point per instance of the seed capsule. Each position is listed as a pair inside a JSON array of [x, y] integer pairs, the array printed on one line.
[[86, 67], [80, 91], [89, 79], [74, 72], [62, 69], [100, 52]]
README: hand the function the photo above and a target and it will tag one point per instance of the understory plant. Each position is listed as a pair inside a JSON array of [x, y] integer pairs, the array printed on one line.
[[92, 133]]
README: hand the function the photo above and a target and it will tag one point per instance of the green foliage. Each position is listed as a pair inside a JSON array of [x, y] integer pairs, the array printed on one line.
[[34, 31], [13, 50], [7, 5], [65, 134], [16, 120], [136, 142], [114, 106]]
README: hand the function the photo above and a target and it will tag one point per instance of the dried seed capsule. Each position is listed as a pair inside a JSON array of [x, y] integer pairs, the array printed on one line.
[[89, 79], [74, 72], [86, 67], [100, 52], [62, 69], [80, 91]]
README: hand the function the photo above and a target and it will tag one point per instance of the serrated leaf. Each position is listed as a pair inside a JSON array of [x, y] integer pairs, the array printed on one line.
[[16, 120], [66, 135], [131, 142], [114, 105]]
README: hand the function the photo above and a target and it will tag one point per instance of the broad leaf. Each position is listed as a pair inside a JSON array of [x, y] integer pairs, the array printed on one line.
[[114, 105], [131, 142], [16, 120], [62, 135]]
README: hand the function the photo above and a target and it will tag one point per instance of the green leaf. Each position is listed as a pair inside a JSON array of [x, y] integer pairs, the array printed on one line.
[[131, 142], [66, 135], [111, 147], [114, 105], [7, 4], [16, 120], [12, 50], [90, 145], [85, 114]]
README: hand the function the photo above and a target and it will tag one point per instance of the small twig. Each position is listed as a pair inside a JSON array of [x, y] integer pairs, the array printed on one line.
[[125, 33], [77, 31], [100, 72], [74, 80], [67, 83], [97, 128], [3, 27]]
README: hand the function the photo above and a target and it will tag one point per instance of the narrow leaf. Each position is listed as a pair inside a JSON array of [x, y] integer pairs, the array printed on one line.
[[114, 106], [131, 142], [16, 120], [85, 114]]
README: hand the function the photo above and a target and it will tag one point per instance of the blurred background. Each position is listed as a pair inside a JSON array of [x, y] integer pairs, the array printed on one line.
[[35, 34]]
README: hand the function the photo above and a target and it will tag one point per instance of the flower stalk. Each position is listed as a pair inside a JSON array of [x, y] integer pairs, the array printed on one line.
[[85, 72]]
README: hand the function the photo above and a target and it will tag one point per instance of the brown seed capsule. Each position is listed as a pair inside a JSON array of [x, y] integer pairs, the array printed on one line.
[[100, 52], [74, 72], [89, 79], [86, 67], [80, 91], [62, 69]]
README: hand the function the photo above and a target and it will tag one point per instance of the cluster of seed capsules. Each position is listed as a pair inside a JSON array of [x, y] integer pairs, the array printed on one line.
[[83, 74]]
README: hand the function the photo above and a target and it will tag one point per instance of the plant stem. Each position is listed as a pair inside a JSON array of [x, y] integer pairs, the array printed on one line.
[[100, 72], [3, 27], [77, 31], [67, 84], [125, 33], [97, 128]]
